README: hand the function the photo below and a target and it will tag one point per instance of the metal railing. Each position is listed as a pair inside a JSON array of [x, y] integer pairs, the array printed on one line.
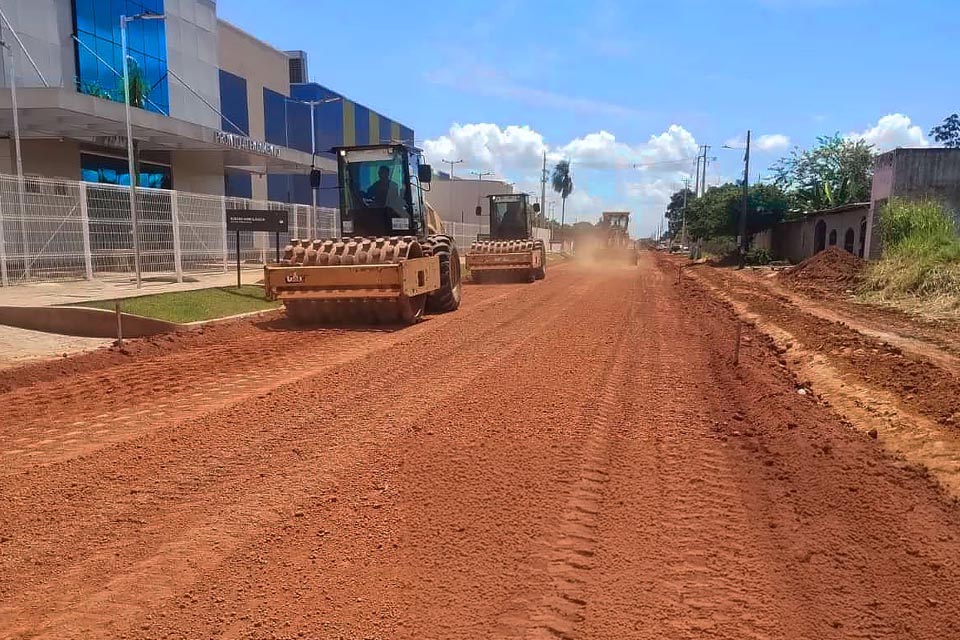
[[54, 229]]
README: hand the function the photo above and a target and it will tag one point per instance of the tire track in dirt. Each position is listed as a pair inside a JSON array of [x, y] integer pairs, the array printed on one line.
[[422, 491], [216, 527], [129, 400], [447, 475], [570, 546], [680, 555]]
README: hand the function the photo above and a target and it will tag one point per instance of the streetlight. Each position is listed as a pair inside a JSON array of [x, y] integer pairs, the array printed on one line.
[[480, 175], [134, 223], [315, 181], [16, 140], [746, 195], [452, 163]]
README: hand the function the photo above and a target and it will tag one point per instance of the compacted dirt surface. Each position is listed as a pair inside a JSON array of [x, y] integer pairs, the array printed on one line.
[[575, 458]]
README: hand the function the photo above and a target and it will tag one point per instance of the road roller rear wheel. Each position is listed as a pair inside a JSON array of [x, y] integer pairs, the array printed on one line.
[[541, 271], [447, 297]]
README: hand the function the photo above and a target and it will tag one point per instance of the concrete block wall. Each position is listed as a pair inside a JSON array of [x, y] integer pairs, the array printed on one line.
[[913, 174], [45, 27], [795, 241]]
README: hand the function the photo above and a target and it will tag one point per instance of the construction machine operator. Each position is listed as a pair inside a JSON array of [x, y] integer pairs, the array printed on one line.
[[512, 222], [385, 192]]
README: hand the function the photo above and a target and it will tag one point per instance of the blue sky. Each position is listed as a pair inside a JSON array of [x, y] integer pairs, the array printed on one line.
[[612, 83]]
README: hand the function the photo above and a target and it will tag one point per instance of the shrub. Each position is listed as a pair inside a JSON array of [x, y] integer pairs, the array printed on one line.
[[759, 257], [921, 251]]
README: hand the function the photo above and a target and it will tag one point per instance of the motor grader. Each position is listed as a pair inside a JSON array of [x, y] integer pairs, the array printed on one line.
[[509, 249], [392, 261], [615, 234]]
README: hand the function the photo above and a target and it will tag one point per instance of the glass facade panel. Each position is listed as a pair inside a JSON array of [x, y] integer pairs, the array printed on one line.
[[99, 62], [275, 117], [110, 170], [298, 126], [233, 104], [237, 184], [385, 128]]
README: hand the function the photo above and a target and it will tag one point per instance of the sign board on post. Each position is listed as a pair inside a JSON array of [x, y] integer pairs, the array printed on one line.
[[256, 220]]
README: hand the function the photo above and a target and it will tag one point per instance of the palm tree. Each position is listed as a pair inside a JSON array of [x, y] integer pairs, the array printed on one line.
[[562, 184]]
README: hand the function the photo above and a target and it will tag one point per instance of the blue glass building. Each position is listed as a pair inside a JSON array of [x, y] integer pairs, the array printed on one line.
[[98, 50], [219, 111]]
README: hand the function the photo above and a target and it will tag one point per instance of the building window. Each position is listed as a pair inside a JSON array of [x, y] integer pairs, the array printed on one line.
[[820, 236], [98, 52], [110, 170], [833, 237]]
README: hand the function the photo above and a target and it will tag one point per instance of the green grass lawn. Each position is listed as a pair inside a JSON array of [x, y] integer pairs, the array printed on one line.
[[191, 306]]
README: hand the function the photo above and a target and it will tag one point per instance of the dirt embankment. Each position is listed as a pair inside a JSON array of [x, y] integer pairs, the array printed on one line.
[[833, 271]]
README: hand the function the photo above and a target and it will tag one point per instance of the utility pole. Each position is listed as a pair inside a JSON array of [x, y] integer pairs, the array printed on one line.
[[543, 188], [696, 179], [702, 187], [683, 226], [746, 197], [452, 163]]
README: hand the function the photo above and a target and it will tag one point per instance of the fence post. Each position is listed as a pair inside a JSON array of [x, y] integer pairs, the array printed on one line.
[[175, 220], [223, 234], [24, 236], [85, 232], [292, 216], [3, 247]]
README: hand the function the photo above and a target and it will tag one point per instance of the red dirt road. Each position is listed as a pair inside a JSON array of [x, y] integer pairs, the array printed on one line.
[[577, 458]]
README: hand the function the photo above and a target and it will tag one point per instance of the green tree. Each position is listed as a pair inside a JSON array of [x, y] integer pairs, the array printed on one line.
[[835, 172], [717, 212], [137, 84], [674, 213], [947, 132], [563, 184]]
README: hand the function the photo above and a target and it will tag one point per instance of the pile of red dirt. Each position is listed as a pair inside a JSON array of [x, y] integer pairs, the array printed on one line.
[[831, 270]]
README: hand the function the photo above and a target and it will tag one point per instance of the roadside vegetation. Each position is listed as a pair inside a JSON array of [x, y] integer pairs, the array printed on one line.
[[834, 172], [192, 306], [921, 257]]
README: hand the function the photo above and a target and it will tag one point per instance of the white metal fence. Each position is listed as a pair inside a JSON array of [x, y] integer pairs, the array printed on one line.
[[466, 232], [64, 229]]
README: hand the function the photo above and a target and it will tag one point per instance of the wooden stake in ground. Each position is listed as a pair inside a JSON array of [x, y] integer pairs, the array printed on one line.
[[116, 308], [736, 351]]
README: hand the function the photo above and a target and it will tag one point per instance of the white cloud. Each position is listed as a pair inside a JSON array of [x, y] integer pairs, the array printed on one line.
[[892, 131], [601, 163], [487, 146], [767, 142], [773, 142]]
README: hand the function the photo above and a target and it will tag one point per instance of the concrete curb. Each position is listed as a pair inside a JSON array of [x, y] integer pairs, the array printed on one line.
[[84, 322], [89, 322]]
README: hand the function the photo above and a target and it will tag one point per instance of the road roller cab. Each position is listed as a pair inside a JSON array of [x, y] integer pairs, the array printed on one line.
[[390, 262], [509, 248]]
